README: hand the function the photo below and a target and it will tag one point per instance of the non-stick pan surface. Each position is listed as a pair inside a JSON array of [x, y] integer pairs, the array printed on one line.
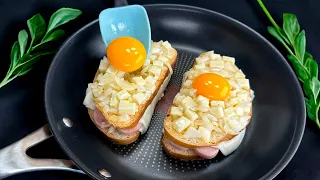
[[271, 139]]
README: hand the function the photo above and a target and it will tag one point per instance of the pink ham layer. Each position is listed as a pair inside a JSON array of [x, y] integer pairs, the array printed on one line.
[[103, 123], [204, 152]]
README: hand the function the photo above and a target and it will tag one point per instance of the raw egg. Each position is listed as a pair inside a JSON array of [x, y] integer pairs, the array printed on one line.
[[212, 86], [126, 54]]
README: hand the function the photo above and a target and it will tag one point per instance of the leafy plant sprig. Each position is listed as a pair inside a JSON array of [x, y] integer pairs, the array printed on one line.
[[23, 58], [306, 68]]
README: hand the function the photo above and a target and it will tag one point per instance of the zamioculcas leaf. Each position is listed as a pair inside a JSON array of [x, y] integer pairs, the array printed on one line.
[[37, 28], [300, 45], [15, 53], [312, 67], [22, 39], [22, 61], [291, 26], [55, 35], [61, 17]]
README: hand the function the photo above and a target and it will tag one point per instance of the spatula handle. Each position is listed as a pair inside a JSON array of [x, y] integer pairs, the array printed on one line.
[[14, 159], [119, 3]]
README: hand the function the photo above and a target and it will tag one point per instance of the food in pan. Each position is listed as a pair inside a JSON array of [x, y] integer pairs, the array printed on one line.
[[121, 103], [211, 110]]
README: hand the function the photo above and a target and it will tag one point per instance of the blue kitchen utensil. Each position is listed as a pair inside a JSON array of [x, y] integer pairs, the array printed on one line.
[[129, 20]]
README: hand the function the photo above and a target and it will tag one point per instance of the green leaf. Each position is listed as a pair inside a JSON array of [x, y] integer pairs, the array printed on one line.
[[291, 26], [275, 34], [300, 70], [283, 36], [312, 67], [14, 56], [307, 55], [28, 60], [311, 109], [300, 45], [23, 40], [62, 16], [312, 89], [55, 35], [37, 28]]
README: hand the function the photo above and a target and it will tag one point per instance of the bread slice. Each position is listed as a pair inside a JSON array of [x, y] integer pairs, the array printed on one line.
[[218, 134], [115, 135], [176, 153], [134, 119]]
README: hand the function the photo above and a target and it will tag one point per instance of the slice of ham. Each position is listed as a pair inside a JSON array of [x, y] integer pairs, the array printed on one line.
[[206, 152], [176, 146], [131, 130], [100, 119]]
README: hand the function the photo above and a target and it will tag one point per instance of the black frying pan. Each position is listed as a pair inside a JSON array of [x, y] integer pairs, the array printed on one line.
[[272, 137]]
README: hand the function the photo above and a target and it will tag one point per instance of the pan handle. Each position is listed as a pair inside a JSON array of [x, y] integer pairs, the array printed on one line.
[[119, 3], [14, 159]]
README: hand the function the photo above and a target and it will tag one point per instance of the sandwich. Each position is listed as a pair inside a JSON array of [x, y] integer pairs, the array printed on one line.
[[210, 112], [121, 104]]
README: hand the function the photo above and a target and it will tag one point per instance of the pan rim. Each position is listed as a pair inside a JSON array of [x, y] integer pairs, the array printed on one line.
[[299, 124]]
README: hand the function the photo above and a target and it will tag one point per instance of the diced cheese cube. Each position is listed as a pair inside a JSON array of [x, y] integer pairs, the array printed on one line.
[[230, 67], [112, 70], [200, 67], [158, 63], [103, 66], [150, 86], [140, 98], [188, 103], [239, 75], [153, 57], [145, 69], [139, 81], [244, 119], [167, 45], [216, 65], [114, 100], [125, 107], [155, 70], [187, 83], [228, 59], [203, 101], [123, 94], [215, 56], [190, 115], [178, 99], [181, 124], [147, 62], [163, 58], [149, 79], [200, 60], [120, 74], [243, 95], [141, 89], [244, 83], [217, 103], [239, 111], [192, 132], [236, 125], [175, 111], [233, 102], [217, 111], [205, 134]]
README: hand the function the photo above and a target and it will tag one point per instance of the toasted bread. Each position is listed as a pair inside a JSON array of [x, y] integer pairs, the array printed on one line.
[[115, 135], [222, 131], [134, 119], [180, 154]]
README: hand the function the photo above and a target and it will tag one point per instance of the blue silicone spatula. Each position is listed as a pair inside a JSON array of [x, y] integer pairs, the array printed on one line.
[[131, 20]]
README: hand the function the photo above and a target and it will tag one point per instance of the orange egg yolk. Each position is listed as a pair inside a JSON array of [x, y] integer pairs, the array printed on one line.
[[126, 54], [212, 86]]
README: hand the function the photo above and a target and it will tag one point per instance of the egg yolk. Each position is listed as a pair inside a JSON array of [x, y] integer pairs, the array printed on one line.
[[212, 86], [126, 54]]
